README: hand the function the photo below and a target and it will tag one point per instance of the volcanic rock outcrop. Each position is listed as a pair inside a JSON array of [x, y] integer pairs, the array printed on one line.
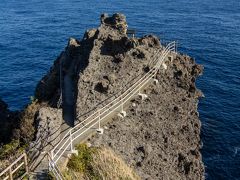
[[159, 137]]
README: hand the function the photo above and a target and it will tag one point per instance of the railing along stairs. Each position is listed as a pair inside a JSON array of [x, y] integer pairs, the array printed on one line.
[[67, 142], [19, 165]]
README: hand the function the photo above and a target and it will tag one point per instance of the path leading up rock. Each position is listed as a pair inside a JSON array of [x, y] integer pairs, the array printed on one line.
[[48, 135]]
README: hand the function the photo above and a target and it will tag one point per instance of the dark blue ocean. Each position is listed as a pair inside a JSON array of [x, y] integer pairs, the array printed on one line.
[[33, 33]]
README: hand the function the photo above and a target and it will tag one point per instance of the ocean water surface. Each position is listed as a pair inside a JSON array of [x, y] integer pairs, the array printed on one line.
[[33, 33]]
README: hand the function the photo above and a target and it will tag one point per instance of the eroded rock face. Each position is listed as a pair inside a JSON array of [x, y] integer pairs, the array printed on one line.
[[160, 135], [115, 63]]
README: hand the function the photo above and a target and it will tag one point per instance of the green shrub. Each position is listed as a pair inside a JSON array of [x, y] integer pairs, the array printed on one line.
[[9, 149], [51, 176], [98, 164], [19, 173], [81, 162]]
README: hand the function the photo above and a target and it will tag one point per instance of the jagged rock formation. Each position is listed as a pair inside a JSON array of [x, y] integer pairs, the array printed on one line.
[[115, 62], [159, 137]]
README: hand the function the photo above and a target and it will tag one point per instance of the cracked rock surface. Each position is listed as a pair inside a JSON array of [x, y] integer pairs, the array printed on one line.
[[159, 137]]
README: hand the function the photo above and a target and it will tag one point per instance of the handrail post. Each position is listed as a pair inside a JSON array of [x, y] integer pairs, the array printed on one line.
[[99, 130], [121, 105], [49, 163], [10, 173], [71, 142], [26, 163], [99, 118], [52, 151]]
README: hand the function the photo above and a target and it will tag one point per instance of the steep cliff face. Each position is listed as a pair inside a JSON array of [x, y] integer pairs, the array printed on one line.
[[159, 137], [115, 62]]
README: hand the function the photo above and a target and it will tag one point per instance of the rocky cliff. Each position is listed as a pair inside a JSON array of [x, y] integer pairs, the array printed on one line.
[[159, 137]]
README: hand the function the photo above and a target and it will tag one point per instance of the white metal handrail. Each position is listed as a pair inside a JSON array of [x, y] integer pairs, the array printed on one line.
[[11, 169], [95, 118], [92, 117], [109, 104], [54, 168]]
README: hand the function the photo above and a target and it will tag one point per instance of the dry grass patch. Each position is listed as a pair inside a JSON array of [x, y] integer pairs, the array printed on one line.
[[98, 164]]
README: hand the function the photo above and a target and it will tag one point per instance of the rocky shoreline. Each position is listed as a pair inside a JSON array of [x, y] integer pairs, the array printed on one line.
[[160, 136]]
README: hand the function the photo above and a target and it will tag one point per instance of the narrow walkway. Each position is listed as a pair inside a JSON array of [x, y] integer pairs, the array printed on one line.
[[68, 115], [46, 138]]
